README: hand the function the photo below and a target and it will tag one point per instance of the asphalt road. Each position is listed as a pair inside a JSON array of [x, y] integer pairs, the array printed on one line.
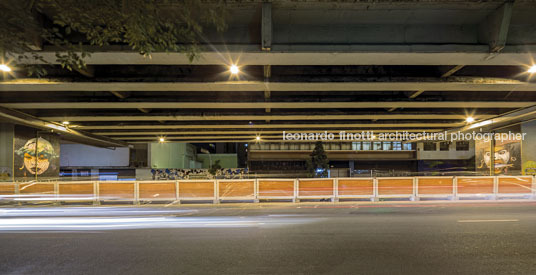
[[321, 238]]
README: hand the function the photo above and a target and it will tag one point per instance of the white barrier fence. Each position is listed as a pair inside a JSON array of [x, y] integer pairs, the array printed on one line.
[[334, 189]]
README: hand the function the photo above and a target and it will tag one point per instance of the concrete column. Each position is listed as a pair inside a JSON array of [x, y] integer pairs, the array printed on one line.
[[6, 151]]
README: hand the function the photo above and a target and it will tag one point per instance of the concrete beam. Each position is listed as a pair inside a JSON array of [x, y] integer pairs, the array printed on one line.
[[253, 132], [368, 84], [67, 133], [265, 117], [494, 29], [496, 123], [266, 26], [264, 105], [447, 54], [251, 137], [274, 126]]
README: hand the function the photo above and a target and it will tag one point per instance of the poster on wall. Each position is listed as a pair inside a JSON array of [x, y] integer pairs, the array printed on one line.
[[528, 149], [506, 157], [36, 155]]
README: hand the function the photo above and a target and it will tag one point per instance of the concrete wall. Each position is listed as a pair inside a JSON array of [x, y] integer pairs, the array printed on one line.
[[528, 148], [172, 155], [226, 160], [6, 151], [451, 154], [84, 155]]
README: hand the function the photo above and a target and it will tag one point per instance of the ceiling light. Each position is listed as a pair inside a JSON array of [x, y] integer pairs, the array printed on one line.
[[258, 138], [532, 69], [5, 68], [65, 123], [469, 120], [234, 69], [162, 139]]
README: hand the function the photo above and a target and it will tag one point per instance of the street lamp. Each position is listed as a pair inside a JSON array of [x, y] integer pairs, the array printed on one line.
[[5, 68], [234, 69]]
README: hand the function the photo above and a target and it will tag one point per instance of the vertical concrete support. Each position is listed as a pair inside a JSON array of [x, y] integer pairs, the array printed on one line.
[[534, 187], [266, 26], [415, 189], [56, 193], [6, 150], [177, 194], [494, 29], [375, 190], [136, 193], [495, 188], [455, 188], [335, 190], [256, 191], [216, 192], [96, 195], [296, 186]]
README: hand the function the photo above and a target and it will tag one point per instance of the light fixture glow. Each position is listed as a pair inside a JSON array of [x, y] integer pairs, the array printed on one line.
[[65, 123], [258, 138], [532, 69], [5, 68], [234, 69], [469, 119], [162, 139]]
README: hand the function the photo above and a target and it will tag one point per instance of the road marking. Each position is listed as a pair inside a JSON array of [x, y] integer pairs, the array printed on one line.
[[512, 220]]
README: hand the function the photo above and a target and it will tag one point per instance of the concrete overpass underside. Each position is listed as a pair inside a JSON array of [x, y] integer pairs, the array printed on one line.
[[304, 66]]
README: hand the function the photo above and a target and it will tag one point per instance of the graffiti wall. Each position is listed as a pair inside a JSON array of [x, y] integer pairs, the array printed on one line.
[[36, 155], [506, 155]]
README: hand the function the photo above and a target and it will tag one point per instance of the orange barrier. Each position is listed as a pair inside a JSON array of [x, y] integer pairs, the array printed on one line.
[[315, 188], [82, 189], [355, 187], [473, 185], [515, 185], [7, 188], [36, 188], [435, 186], [228, 189], [269, 188], [117, 190], [395, 186], [196, 189], [275, 188], [157, 190]]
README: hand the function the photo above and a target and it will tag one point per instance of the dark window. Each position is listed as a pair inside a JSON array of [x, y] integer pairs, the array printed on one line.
[[444, 146], [462, 145], [377, 145], [429, 146]]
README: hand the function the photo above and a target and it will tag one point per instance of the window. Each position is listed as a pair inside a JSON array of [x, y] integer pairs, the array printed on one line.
[[387, 146], [366, 146], [462, 145], [397, 145], [356, 146], [377, 145], [408, 146], [429, 146], [444, 146]]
